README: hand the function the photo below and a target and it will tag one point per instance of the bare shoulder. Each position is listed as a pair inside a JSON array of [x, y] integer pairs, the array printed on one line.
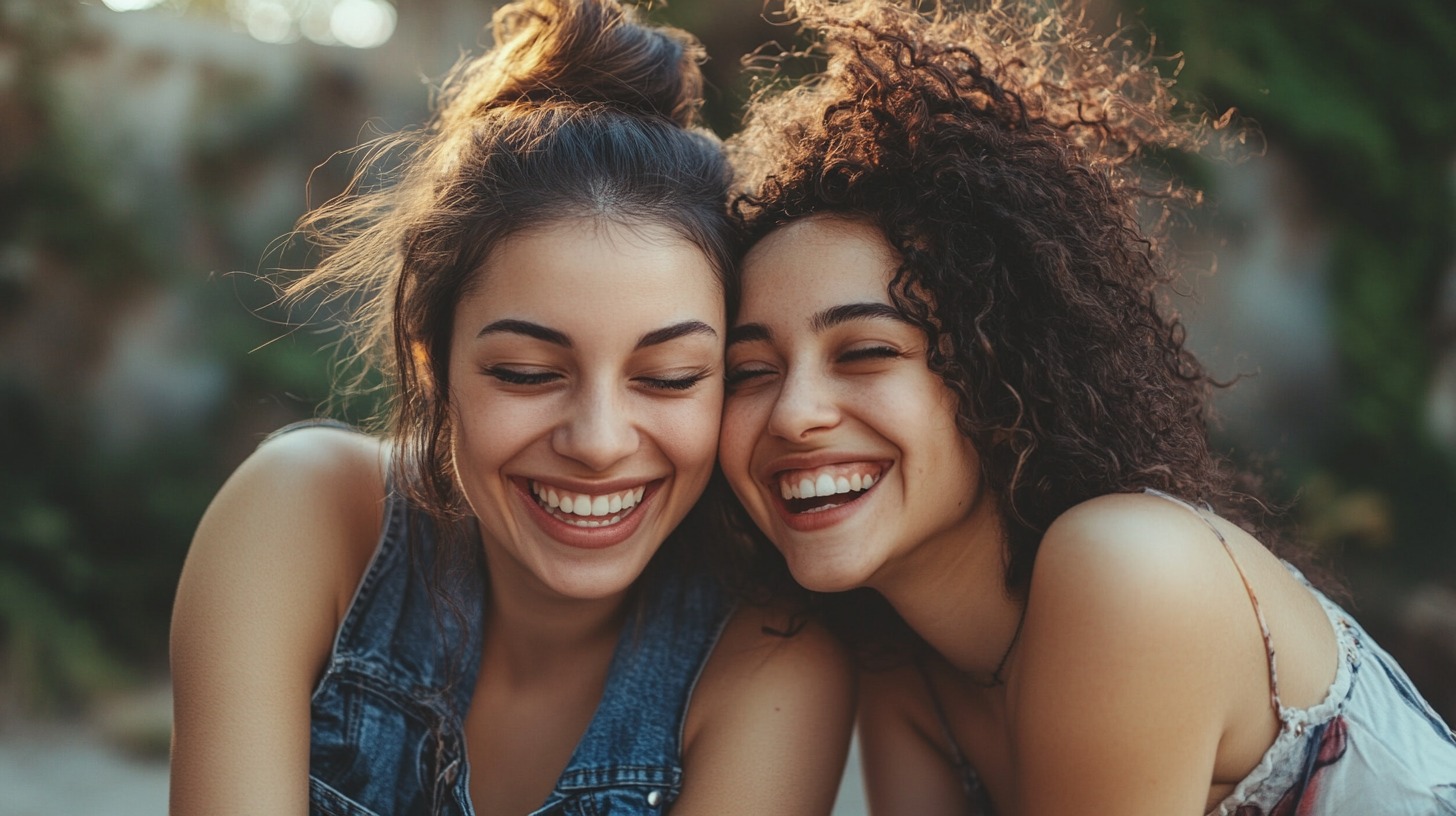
[[775, 704], [272, 565], [296, 522], [312, 494], [1142, 581], [1134, 636], [1120, 548], [333, 463], [769, 650]]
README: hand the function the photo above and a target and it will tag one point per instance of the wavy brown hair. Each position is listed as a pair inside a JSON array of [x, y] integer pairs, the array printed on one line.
[[1001, 152], [579, 110]]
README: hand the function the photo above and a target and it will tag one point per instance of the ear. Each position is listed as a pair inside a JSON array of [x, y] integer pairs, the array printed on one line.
[[945, 344], [420, 362]]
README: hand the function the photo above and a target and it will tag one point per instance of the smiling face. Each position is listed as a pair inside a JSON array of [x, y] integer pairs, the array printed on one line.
[[586, 387], [837, 437]]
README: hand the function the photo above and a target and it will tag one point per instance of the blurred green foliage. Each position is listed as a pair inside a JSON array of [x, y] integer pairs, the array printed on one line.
[[1358, 94], [92, 533]]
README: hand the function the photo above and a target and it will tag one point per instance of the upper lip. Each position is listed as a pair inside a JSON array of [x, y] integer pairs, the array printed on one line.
[[810, 461], [593, 488]]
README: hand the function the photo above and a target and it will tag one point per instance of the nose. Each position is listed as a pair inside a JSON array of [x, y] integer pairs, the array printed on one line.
[[598, 430], [806, 403]]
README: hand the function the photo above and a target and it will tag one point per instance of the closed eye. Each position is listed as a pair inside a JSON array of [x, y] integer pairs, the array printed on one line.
[[739, 376], [870, 353], [511, 376], [674, 383]]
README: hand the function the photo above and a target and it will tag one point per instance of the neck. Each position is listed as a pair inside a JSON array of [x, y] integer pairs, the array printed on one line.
[[952, 591], [531, 632]]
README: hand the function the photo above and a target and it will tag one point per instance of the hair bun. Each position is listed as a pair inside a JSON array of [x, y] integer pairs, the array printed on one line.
[[581, 51]]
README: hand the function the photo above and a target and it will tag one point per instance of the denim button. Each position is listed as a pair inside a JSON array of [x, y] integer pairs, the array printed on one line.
[[653, 798]]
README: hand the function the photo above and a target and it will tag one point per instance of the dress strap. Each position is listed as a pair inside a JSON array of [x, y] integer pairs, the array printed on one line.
[[1249, 588]]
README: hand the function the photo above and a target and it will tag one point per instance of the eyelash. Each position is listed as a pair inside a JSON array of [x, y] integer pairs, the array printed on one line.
[[513, 377], [510, 376], [674, 383], [740, 376], [870, 353]]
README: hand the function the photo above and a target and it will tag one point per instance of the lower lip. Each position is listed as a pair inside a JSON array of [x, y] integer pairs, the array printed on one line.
[[586, 538], [811, 522]]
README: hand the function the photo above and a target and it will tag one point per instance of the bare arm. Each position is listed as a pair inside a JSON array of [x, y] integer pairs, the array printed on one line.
[[768, 729], [259, 599], [905, 771], [1133, 660]]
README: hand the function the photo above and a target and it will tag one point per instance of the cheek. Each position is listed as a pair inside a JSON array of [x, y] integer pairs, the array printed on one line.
[[955, 458], [742, 423], [687, 431], [489, 430], [475, 446]]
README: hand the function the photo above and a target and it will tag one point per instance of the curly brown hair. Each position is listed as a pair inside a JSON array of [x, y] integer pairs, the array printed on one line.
[[999, 152]]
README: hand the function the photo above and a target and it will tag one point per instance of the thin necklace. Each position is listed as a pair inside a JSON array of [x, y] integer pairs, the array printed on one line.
[[996, 678]]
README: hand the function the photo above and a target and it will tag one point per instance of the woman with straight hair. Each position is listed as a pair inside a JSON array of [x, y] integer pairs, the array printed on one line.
[[956, 396], [508, 601]]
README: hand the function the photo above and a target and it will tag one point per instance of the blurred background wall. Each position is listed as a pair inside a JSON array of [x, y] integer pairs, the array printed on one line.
[[152, 153]]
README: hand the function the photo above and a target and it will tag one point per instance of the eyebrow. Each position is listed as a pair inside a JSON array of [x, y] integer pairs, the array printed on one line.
[[527, 328], [749, 333], [822, 321], [666, 334], [836, 315], [557, 338]]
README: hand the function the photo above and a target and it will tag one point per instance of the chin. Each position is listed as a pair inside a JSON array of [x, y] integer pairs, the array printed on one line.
[[591, 588], [818, 574], [592, 582]]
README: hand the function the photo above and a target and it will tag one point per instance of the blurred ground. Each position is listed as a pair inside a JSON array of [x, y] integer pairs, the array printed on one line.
[[79, 767], [71, 768]]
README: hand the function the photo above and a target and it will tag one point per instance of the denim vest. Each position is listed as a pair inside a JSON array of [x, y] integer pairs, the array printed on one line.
[[387, 715]]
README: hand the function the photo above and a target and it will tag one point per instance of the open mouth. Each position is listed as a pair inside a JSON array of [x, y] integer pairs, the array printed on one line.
[[584, 509], [814, 491]]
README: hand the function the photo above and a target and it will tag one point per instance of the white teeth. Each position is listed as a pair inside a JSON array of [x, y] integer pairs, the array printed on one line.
[[588, 511], [824, 485]]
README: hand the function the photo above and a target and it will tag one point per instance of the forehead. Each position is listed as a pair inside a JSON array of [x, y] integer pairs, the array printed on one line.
[[820, 259], [597, 266]]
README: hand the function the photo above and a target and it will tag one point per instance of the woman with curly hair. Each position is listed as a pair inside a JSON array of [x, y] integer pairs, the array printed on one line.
[[508, 603], [953, 390]]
